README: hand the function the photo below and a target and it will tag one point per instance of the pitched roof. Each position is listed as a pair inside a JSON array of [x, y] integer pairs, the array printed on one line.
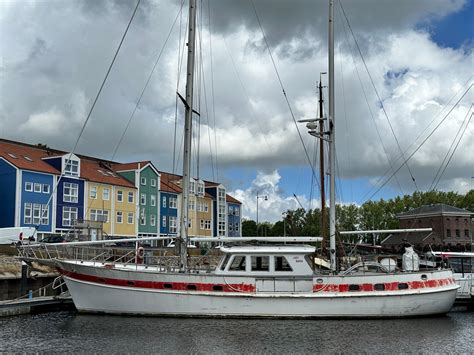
[[436, 209], [93, 170], [130, 166], [168, 186], [17, 154], [231, 199]]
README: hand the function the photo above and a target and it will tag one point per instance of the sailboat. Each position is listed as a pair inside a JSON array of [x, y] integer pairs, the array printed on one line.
[[254, 280]]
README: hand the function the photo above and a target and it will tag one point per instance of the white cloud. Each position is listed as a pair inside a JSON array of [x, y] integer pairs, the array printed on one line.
[[271, 208]]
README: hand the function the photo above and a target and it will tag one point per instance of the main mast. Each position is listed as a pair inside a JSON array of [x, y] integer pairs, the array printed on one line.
[[321, 161], [183, 239], [332, 142]]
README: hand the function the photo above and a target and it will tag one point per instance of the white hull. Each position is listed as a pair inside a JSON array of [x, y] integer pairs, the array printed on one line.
[[91, 296]]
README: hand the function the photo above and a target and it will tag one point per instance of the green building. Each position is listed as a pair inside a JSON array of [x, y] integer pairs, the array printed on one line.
[[147, 180]]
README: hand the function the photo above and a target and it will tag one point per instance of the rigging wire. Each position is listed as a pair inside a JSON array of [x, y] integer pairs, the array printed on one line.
[[181, 50], [422, 143], [216, 177], [68, 160], [246, 94], [419, 136], [391, 165], [437, 179], [132, 115], [284, 93], [378, 96]]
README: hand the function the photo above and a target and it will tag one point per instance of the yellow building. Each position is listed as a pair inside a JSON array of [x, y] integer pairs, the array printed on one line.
[[109, 198], [200, 215]]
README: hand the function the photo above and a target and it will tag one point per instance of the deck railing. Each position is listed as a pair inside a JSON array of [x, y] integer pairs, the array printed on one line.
[[152, 257]]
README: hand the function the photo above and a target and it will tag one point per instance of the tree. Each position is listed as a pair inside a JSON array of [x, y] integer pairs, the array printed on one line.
[[249, 228]]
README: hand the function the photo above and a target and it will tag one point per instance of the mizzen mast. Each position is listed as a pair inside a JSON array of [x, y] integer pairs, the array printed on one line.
[[183, 238]]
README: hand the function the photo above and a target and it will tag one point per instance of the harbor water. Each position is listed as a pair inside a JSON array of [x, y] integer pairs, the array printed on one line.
[[69, 332]]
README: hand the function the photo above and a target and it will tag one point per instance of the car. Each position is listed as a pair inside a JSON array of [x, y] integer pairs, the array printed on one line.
[[53, 239]]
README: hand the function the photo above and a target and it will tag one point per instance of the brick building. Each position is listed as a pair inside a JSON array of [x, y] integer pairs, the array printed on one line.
[[452, 228]]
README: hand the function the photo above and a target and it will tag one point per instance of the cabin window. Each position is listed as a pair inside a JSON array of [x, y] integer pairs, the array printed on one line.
[[354, 288], [281, 264], [402, 286], [191, 287], [260, 263], [379, 287], [168, 286], [424, 277], [226, 260], [238, 263]]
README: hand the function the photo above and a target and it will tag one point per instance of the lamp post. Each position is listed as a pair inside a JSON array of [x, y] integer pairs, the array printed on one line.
[[284, 214], [265, 198]]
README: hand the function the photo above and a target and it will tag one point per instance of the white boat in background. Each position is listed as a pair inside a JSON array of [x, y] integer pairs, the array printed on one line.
[[264, 280], [462, 264], [14, 235]]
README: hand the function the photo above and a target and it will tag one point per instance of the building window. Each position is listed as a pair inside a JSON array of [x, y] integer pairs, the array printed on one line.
[[231, 227], [458, 233], [448, 233], [164, 202], [143, 180], [200, 188], [208, 225], [99, 215], [93, 192], [466, 233], [119, 218], [72, 168], [173, 228], [163, 221], [37, 187], [191, 205], [173, 202], [153, 200], [45, 214], [130, 197], [192, 186], [142, 217], [152, 220], [69, 215], [236, 227], [36, 214], [202, 224], [70, 192], [142, 199], [130, 218], [46, 189], [28, 186], [106, 194], [153, 182], [119, 195], [27, 213], [236, 211]]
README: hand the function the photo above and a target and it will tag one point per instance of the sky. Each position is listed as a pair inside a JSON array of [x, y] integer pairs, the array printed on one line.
[[418, 57]]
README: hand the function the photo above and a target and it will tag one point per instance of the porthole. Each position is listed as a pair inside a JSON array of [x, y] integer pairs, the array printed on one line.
[[319, 281], [191, 287], [101, 280], [402, 286], [379, 287], [217, 288], [130, 283], [424, 277], [354, 288], [168, 286]]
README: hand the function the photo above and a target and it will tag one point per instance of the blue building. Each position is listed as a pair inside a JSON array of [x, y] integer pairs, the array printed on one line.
[[234, 222], [70, 190], [169, 206], [26, 188]]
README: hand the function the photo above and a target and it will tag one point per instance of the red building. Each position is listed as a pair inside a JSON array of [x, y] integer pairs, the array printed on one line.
[[452, 228]]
